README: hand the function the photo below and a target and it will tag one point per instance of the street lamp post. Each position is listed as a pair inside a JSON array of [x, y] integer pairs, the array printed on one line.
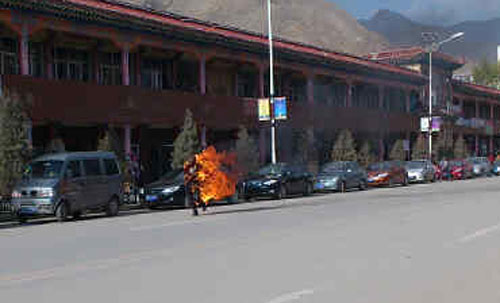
[[271, 83], [434, 47]]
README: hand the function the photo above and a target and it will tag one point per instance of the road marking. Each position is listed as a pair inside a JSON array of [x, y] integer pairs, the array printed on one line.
[[73, 269], [170, 224], [480, 233], [294, 296]]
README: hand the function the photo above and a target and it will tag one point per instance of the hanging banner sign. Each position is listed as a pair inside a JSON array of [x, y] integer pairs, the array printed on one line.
[[280, 109], [424, 124], [264, 110]]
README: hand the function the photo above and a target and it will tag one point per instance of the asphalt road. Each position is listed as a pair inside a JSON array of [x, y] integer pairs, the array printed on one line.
[[423, 243]]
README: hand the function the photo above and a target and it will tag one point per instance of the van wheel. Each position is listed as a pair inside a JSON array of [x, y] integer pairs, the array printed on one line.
[[62, 212], [113, 207], [22, 220], [77, 215]]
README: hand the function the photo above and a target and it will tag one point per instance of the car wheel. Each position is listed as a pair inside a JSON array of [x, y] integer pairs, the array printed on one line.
[[113, 207], [343, 187], [282, 192], [22, 220], [405, 181], [362, 185], [62, 212], [308, 189]]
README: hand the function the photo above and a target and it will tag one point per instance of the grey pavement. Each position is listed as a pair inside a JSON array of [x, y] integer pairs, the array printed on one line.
[[424, 243]]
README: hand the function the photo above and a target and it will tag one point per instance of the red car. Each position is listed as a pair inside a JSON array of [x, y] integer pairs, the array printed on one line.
[[459, 170], [387, 173]]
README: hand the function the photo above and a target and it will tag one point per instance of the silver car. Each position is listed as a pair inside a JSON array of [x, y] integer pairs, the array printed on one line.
[[420, 171], [481, 166], [68, 184]]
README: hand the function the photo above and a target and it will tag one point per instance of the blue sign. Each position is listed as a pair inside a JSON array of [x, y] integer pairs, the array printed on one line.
[[280, 110]]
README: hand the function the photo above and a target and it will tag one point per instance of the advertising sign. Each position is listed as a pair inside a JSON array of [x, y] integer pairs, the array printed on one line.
[[264, 110], [436, 124], [280, 110], [424, 124]]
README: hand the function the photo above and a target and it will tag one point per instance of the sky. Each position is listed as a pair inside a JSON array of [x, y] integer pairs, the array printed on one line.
[[442, 12]]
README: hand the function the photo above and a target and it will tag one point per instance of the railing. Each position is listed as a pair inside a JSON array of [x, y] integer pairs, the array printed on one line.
[[5, 207]]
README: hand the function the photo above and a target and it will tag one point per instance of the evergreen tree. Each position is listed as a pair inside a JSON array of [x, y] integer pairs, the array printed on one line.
[[397, 151], [486, 73], [14, 145], [420, 148], [246, 152], [187, 144], [104, 143], [460, 148], [344, 148], [365, 156]]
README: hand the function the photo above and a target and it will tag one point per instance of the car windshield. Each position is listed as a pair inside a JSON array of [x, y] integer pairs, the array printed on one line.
[[415, 164], [49, 169], [174, 176], [378, 166], [456, 163], [333, 167], [273, 169]]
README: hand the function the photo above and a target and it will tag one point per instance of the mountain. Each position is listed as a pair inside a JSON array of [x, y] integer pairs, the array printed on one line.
[[480, 40], [315, 22]]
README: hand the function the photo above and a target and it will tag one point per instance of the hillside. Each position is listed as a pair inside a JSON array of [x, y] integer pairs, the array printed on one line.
[[480, 40], [315, 22]]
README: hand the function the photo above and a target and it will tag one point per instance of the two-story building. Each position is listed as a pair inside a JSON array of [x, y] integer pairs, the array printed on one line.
[[93, 65]]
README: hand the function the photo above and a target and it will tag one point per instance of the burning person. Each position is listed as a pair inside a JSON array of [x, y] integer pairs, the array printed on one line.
[[192, 185], [205, 179]]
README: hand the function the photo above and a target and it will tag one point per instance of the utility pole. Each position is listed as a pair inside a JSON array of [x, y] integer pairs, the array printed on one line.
[[271, 83]]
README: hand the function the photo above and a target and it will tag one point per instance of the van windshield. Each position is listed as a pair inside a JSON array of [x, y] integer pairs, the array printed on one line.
[[49, 169]]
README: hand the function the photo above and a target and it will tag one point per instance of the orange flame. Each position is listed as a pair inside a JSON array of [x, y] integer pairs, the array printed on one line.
[[214, 183]]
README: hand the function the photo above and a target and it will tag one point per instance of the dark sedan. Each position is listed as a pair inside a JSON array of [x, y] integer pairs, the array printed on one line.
[[340, 176], [168, 191], [278, 181]]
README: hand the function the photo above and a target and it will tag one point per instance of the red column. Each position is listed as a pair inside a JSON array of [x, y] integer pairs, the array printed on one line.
[[95, 64], [381, 149], [408, 101], [24, 51], [310, 88], [203, 74], [49, 60], [262, 145], [476, 147], [127, 137], [138, 59], [348, 101], [261, 82], [381, 96], [126, 65]]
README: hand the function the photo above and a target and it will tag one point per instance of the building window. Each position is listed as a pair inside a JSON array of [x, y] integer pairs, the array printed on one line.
[[8, 57], [109, 69], [71, 64], [153, 74], [36, 59], [246, 84]]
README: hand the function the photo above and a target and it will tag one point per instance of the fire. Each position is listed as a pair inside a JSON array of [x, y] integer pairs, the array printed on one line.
[[215, 181]]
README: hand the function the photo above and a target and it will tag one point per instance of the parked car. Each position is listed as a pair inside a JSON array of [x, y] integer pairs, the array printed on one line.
[[168, 191], [420, 171], [278, 181], [481, 166], [387, 173], [458, 170], [340, 176], [68, 184], [495, 168]]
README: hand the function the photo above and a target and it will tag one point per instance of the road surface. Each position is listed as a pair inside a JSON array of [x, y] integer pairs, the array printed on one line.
[[423, 243]]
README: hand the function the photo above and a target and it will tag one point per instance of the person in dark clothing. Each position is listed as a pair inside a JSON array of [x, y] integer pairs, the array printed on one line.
[[191, 186]]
